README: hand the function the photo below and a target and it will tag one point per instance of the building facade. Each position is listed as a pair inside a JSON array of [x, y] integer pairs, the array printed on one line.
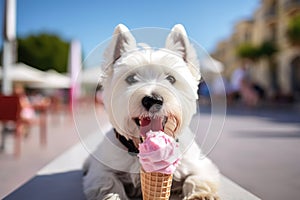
[[280, 73]]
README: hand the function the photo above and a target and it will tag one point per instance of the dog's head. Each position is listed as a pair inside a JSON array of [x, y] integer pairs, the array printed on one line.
[[147, 88]]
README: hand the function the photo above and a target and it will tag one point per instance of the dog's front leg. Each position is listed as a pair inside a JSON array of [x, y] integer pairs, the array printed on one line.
[[104, 187], [199, 175]]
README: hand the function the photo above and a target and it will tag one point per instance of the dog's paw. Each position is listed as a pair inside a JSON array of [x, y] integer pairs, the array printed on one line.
[[196, 189], [203, 196], [112, 196]]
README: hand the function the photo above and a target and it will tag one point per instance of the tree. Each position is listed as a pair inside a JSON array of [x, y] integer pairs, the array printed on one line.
[[267, 49], [248, 51], [293, 31], [44, 52]]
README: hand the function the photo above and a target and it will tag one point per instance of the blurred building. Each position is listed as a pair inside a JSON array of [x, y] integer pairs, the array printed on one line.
[[278, 74]]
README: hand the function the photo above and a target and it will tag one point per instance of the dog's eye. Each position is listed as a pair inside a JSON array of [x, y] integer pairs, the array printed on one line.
[[171, 79], [131, 79]]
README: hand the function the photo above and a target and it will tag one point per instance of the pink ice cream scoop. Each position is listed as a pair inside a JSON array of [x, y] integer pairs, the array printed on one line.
[[159, 153]]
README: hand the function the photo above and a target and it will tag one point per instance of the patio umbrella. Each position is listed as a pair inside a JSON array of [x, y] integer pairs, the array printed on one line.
[[32, 77], [52, 79], [22, 73]]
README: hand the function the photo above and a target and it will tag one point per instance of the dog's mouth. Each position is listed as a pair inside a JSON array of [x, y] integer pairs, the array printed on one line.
[[145, 124]]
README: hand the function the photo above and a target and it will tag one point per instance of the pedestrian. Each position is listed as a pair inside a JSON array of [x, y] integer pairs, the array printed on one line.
[[241, 86]]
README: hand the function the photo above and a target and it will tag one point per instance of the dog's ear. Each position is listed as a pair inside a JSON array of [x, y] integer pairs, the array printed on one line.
[[122, 42], [178, 42]]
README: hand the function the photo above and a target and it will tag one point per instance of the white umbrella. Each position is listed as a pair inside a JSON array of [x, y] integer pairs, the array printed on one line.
[[53, 79], [23, 73]]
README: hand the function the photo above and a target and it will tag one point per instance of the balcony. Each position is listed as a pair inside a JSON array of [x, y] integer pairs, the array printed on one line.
[[292, 6]]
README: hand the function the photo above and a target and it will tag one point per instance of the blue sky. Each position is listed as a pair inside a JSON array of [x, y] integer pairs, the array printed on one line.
[[93, 21]]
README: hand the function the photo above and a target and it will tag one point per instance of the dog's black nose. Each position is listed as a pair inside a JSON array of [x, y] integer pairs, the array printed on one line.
[[153, 102]]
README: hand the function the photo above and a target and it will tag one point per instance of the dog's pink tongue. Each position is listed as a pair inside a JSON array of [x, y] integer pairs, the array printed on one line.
[[153, 124]]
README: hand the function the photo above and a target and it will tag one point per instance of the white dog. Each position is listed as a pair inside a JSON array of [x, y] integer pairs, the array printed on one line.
[[146, 82]]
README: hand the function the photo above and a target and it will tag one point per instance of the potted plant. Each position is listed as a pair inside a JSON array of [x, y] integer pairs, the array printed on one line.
[[293, 31]]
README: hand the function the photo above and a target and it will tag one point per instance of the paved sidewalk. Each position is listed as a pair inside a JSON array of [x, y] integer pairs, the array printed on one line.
[[258, 149], [61, 135]]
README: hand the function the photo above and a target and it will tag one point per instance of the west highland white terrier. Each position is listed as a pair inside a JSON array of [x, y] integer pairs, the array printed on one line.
[[141, 82]]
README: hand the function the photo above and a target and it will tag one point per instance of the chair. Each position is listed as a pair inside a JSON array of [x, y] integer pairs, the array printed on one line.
[[10, 109]]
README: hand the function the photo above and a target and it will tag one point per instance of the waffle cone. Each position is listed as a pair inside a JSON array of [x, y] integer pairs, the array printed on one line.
[[171, 126], [155, 185]]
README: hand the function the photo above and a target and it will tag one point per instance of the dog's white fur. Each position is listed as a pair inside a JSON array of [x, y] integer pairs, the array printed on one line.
[[149, 71]]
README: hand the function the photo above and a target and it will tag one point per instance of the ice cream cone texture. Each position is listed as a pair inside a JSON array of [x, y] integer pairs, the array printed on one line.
[[155, 185], [159, 156]]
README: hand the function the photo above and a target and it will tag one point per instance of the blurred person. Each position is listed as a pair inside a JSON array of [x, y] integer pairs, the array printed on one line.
[[35, 97], [241, 86], [28, 115], [38, 100]]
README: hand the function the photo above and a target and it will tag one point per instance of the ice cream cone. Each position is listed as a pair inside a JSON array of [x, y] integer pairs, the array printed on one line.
[[155, 185]]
